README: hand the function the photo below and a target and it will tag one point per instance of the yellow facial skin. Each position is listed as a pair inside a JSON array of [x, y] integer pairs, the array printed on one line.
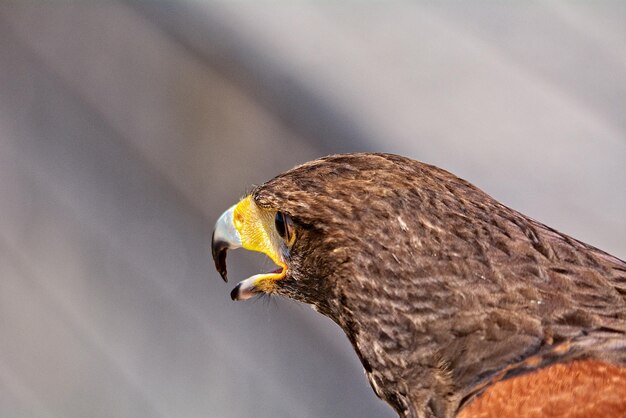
[[257, 233]]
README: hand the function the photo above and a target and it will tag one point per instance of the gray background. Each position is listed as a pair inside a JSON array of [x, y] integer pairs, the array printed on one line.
[[127, 128]]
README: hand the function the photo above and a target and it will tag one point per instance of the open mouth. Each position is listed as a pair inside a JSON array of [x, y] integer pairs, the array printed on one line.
[[226, 236], [251, 286]]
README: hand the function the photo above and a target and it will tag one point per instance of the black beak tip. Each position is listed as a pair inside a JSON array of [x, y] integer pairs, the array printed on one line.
[[219, 249], [234, 294]]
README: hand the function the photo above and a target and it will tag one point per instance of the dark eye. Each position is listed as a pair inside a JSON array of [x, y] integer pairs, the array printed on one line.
[[284, 226]]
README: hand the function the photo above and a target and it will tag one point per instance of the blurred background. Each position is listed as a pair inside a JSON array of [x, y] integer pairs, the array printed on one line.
[[127, 128]]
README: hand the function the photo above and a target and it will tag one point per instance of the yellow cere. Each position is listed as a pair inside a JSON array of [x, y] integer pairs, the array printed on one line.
[[256, 229]]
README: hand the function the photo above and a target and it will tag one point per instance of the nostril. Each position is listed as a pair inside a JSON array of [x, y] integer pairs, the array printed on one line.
[[238, 220]]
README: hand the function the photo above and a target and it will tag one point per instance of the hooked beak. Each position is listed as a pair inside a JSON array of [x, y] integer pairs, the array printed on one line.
[[225, 237]]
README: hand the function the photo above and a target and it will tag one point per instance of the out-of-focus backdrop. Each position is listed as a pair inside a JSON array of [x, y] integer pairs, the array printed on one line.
[[127, 128]]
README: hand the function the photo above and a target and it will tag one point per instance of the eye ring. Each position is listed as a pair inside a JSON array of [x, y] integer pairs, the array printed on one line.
[[284, 227]]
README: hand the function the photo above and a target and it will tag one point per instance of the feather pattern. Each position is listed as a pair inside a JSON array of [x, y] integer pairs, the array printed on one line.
[[443, 291]]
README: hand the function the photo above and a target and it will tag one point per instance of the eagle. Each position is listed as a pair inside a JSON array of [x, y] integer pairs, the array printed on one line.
[[456, 305]]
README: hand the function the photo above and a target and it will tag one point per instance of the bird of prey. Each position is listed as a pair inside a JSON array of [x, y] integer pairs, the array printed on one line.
[[455, 304]]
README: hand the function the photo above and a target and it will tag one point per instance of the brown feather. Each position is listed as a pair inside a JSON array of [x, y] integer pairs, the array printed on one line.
[[441, 289]]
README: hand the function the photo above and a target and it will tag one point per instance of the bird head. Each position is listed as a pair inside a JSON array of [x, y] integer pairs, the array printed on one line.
[[324, 224]]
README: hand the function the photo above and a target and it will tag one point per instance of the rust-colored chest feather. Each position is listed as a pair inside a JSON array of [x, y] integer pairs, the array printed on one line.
[[578, 389]]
